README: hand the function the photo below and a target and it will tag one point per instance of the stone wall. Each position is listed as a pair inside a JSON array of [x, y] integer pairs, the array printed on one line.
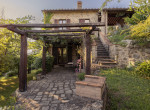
[[128, 56], [74, 17]]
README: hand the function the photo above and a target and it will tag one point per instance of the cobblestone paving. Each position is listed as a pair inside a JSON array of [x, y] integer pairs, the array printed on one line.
[[55, 92]]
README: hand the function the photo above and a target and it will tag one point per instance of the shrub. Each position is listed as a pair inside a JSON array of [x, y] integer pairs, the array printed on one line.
[[144, 69], [49, 63], [117, 35], [81, 76], [1, 74], [31, 59], [11, 73]]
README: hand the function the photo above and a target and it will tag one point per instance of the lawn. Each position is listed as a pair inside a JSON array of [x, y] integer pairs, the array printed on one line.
[[127, 91], [8, 87]]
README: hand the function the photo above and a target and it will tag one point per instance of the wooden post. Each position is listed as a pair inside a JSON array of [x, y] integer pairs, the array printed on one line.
[[44, 60], [23, 65], [88, 54]]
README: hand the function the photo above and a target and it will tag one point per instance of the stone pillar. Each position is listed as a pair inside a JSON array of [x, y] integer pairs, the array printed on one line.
[[104, 19]]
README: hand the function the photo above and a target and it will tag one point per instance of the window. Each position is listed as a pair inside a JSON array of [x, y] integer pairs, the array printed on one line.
[[84, 20], [87, 21], [62, 21]]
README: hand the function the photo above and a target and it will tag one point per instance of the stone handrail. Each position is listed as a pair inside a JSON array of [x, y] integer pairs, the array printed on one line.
[[104, 39]]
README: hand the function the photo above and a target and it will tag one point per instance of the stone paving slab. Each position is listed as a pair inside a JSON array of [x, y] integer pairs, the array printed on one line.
[[55, 92]]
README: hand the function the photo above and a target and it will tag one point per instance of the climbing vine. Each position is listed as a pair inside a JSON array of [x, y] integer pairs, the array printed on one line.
[[47, 17]]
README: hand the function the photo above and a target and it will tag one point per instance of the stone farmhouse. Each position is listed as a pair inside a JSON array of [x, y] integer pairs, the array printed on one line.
[[67, 53]]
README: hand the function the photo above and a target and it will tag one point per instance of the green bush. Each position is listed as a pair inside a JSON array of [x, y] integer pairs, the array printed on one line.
[[144, 69], [81, 76], [1, 74], [11, 73], [38, 63], [117, 35], [31, 59]]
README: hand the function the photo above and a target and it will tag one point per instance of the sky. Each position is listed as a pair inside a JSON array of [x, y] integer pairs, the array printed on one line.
[[20, 8]]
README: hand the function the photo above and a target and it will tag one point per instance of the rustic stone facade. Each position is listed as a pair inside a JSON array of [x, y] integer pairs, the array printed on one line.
[[74, 17], [128, 56]]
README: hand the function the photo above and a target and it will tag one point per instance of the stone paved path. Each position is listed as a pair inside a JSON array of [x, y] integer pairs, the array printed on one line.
[[55, 92]]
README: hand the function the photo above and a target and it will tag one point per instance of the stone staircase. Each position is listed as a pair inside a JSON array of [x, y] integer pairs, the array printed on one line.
[[103, 60]]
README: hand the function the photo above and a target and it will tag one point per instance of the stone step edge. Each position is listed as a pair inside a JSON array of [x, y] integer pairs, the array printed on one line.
[[91, 76], [89, 84], [107, 62]]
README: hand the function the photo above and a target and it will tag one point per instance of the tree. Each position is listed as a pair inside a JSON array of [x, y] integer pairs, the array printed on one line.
[[10, 44]]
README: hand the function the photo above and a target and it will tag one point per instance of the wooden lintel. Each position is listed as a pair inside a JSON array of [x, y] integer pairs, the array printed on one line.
[[57, 31], [55, 25], [51, 38], [16, 30], [57, 35]]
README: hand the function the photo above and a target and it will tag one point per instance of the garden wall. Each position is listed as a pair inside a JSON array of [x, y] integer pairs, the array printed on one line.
[[128, 56]]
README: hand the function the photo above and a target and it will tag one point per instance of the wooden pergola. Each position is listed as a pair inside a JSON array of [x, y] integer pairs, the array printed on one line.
[[34, 34]]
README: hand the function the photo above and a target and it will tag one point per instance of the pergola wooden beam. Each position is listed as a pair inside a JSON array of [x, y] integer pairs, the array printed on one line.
[[16, 30], [54, 25], [59, 35], [23, 54], [58, 31]]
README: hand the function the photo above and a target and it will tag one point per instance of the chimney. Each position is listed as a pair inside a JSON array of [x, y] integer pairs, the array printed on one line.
[[79, 5]]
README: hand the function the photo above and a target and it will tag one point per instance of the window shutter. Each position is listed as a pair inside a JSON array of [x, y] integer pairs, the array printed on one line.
[[68, 22], [81, 21], [56, 21]]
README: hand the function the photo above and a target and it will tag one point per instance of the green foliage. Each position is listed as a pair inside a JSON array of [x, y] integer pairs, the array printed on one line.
[[126, 90], [8, 85], [49, 63], [142, 12], [47, 18], [12, 73], [10, 44], [144, 69], [81, 76], [141, 31], [117, 35], [30, 61]]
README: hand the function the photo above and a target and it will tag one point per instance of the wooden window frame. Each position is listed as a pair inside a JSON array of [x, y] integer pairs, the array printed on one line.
[[84, 20]]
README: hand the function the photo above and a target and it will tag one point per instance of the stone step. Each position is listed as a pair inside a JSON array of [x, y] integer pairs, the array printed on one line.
[[101, 50], [99, 47], [97, 66], [106, 60], [106, 63], [103, 57], [102, 53]]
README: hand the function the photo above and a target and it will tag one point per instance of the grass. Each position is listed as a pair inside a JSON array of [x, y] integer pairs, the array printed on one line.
[[126, 91], [8, 87]]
